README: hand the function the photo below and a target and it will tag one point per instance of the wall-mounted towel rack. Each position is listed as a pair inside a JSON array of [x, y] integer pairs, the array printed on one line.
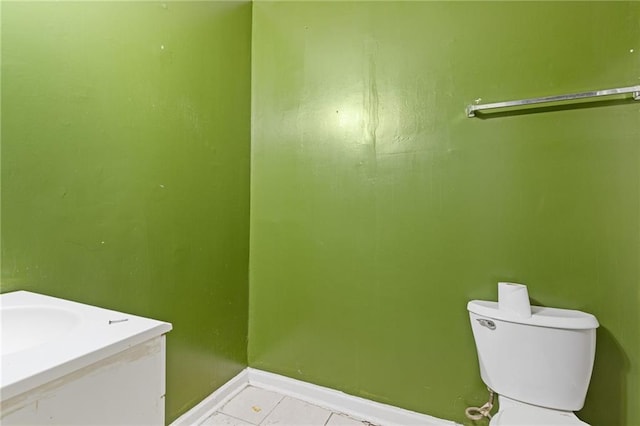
[[635, 90]]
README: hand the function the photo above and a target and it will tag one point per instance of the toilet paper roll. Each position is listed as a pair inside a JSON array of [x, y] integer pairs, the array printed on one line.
[[514, 299]]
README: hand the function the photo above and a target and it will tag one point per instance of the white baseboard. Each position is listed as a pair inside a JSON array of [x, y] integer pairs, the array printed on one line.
[[213, 402], [359, 408], [341, 402]]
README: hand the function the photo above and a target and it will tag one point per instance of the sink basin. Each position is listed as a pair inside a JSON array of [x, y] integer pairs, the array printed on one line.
[[44, 338], [24, 327]]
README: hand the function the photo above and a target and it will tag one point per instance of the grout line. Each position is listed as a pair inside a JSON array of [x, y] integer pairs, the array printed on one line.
[[224, 404], [274, 407], [236, 418], [282, 398], [329, 418]]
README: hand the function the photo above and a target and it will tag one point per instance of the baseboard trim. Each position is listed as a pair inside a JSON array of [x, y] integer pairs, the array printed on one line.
[[334, 400], [331, 399], [213, 402]]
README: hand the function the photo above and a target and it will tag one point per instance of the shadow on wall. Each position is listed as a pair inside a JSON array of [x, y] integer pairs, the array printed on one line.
[[607, 396]]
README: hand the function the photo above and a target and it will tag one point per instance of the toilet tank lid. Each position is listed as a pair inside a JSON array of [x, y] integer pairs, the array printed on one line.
[[540, 316]]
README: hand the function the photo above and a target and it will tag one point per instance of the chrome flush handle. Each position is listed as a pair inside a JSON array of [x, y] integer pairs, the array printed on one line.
[[487, 323]]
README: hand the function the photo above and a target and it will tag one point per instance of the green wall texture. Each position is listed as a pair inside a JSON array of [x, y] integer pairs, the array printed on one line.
[[125, 169], [378, 209]]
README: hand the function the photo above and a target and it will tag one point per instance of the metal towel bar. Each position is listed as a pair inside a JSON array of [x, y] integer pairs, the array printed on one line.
[[635, 90]]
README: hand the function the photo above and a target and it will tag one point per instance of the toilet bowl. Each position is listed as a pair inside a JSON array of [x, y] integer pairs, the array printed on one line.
[[540, 366]]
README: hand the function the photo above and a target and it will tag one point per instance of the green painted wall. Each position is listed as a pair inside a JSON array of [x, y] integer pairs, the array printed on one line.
[[125, 169], [379, 209]]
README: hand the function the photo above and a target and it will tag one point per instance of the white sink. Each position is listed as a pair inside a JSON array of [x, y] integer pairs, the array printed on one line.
[[24, 327]]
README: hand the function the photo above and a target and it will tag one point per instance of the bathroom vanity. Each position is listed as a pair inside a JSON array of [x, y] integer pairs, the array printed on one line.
[[66, 363]]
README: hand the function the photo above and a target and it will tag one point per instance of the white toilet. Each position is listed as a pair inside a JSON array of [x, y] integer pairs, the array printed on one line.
[[540, 366]]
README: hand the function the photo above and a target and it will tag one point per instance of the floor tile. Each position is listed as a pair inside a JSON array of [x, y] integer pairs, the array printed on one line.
[[252, 404], [293, 412], [343, 420], [219, 419]]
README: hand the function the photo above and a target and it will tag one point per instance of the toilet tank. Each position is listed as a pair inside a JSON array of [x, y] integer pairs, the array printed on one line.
[[544, 360]]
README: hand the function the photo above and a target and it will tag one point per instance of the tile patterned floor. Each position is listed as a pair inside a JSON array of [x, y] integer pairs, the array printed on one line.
[[255, 406]]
